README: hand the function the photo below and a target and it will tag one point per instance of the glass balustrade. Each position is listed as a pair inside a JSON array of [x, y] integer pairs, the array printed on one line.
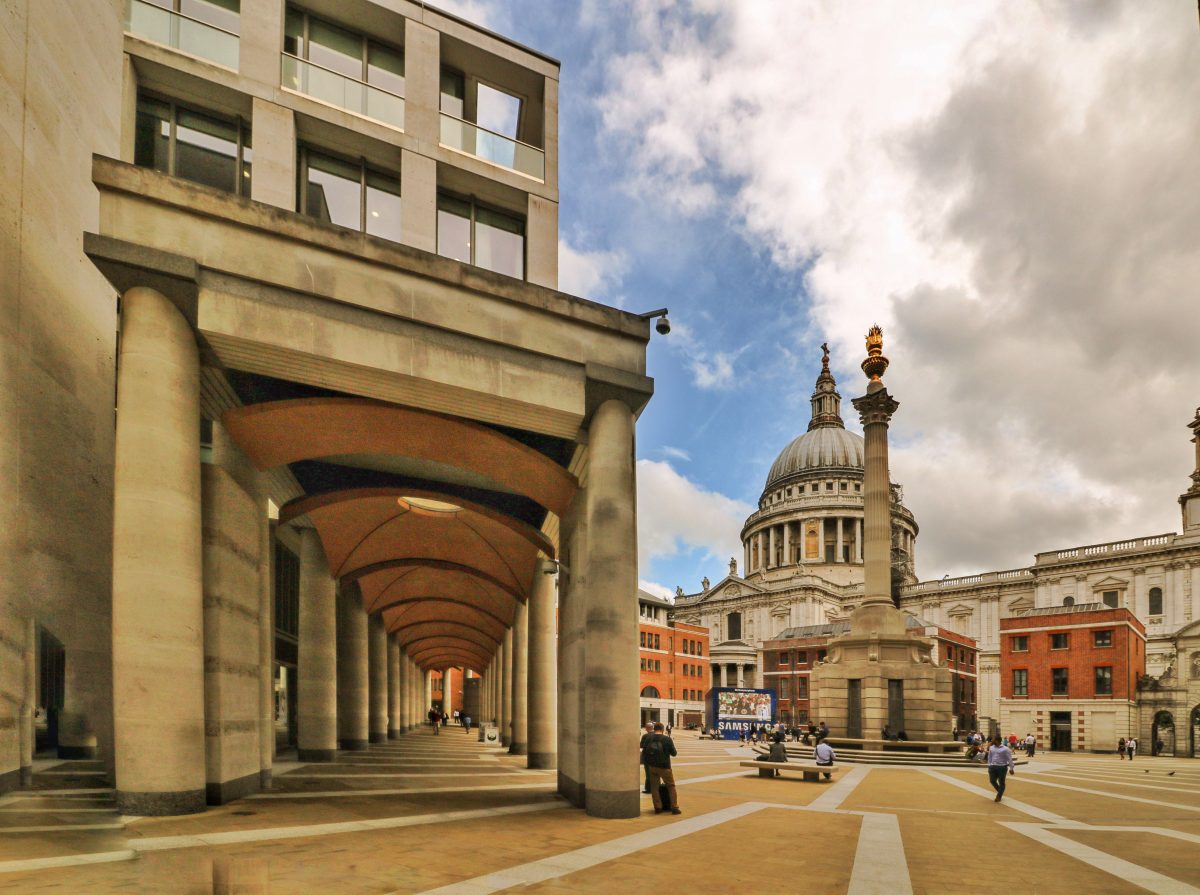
[[496, 148], [182, 33], [342, 91]]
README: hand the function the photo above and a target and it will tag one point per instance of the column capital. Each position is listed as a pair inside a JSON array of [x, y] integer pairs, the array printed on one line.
[[875, 407]]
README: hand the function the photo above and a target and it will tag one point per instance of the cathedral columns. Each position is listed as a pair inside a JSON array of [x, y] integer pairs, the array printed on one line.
[[787, 546], [837, 556], [821, 539], [770, 563], [858, 540]]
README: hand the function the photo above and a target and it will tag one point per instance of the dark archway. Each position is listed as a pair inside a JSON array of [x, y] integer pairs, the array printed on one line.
[[1162, 734]]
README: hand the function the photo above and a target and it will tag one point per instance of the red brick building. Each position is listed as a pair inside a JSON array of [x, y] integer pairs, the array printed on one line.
[[674, 665], [788, 660], [1069, 675]]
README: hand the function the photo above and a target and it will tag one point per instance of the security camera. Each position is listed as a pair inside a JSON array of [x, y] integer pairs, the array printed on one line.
[[663, 326]]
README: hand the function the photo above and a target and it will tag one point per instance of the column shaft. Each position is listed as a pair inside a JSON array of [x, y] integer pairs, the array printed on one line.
[[787, 544], [377, 684], [611, 661], [157, 601], [29, 700], [572, 643], [395, 715], [543, 677], [877, 576], [520, 686], [352, 673], [316, 710], [448, 693], [266, 645], [506, 710], [838, 555]]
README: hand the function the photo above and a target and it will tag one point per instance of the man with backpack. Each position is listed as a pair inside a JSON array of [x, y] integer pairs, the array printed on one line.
[[656, 755]]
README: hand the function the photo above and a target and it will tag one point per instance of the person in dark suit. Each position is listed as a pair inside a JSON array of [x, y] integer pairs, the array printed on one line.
[[648, 732], [657, 755]]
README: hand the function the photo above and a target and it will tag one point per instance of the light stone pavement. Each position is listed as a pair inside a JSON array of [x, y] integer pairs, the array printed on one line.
[[448, 815]]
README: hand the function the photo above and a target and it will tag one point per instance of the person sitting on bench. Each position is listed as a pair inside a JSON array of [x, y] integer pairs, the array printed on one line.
[[824, 756], [778, 751]]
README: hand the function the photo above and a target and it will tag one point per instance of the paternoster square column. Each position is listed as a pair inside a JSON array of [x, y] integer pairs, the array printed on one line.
[[520, 691], [543, 677], [506, 704], [316, 709], [377, 681], [352, 673], [395, 714], [157, 587]]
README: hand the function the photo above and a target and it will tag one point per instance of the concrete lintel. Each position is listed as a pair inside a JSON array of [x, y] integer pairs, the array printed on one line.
[[607, 383], [126, 265]]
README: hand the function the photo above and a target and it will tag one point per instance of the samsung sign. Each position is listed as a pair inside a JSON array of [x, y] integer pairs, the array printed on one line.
[[738, 709]]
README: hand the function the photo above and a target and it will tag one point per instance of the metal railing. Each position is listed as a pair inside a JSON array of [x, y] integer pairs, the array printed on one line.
[[490, 146], [182, 33], [342, 91]]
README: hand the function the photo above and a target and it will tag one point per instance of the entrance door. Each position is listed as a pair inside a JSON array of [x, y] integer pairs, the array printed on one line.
[[1060, 731], [895, 706]]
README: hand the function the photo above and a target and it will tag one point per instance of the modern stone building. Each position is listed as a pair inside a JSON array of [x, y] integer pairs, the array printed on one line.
[[803, 568], [293, 413]]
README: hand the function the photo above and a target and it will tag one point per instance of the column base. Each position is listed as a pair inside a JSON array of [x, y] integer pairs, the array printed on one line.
[[265, 779], [161, 804], [545, 761], [518, 749], [316, 755], [394, 734], [26, 776], [572, 790], [621, 803], [229, 790], [379, 737], [353, 745], [10, 780]]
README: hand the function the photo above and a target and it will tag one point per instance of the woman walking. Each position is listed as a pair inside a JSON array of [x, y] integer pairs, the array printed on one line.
[[1000, 764]]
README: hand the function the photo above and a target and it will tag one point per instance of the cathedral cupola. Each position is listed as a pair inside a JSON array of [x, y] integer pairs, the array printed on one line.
[[826, 402]]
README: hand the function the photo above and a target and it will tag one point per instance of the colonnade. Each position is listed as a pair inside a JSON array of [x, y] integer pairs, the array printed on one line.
[[193, 693], [733, 674], [786, 544]]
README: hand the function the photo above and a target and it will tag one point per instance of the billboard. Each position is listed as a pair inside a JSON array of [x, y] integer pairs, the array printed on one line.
[[736, 709]]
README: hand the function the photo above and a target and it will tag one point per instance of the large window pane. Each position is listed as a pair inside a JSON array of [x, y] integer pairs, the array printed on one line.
[[222, 13], [385, 69], [497, 111], [452, 93], [152, 136], [206, 151], [293, 35], [333, 191], [335, 48], [383, 206], [499, 243], [454, 229]]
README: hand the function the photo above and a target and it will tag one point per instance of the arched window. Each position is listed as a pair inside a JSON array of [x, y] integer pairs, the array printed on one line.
[[1156, 601], [650, 692], [733, 626], [1068, 601]]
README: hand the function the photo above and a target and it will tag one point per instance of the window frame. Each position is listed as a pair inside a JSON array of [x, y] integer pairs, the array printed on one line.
[[365, 42], [245, 140], [1154, 592], [364, 170], [1022, 639], [1096, 670], [1021, 689], [1066, 681], [1096, 644], [1065, 637], [475, 205]]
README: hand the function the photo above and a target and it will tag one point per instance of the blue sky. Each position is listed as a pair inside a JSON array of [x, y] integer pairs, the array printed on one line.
[[1008, 188]]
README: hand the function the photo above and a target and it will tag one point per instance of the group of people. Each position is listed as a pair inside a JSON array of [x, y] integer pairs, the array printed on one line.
[[440, 719], [823, 754], [1127, 747], [976, 750], [761, 733]]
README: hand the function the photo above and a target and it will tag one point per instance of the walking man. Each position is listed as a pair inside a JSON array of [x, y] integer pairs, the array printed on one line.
[[1131, 747], [1029, 744], [658, 752], [1000, 764]]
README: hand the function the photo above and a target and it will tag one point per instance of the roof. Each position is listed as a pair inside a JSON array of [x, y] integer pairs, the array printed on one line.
[[829, 447], [830, 629], [647, 597]]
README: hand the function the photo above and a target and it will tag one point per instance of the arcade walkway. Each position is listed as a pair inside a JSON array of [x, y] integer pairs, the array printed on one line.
[[447, 814]]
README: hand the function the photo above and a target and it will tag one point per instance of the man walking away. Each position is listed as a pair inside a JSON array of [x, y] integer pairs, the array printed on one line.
[[649, 732], [824, 756], [1029, 744], [1131, 747], [658, 752], [1000, 764]]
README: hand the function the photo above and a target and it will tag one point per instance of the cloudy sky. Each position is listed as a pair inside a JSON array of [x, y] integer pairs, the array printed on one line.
[[1010, 188]]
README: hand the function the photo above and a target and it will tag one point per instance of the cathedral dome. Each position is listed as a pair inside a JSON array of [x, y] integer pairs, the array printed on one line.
[[827, 447]]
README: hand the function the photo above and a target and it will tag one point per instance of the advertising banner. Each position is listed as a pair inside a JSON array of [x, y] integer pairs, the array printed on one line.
[[736, 710]]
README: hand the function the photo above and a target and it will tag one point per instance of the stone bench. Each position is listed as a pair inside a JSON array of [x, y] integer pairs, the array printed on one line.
[[810, 771]]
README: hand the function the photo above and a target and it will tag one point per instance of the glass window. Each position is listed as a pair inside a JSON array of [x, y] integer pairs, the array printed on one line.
[[657, 642], [1058, 677], [1102, 638], [1110, 598], [802, 688], [454, 229], [385, 68], [1019, 643], [500, 242], [293, 34], [349, 194], [1156, 602], [783, 689], [802, 658], [335, 48], [225, 14], [785, 658], [1104, 681], [497, 111], [733, 625], [1020, 680], [196, 146], [1068, 601], [1060, 641], [453, 91]]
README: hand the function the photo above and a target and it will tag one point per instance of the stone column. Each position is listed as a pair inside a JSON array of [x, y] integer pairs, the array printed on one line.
[[316, 711], [770, 563], [352, 711], [543, 677], [407, 703], [787, 543], [838, 554], [821, 539], [858, 540], [377, 684], [448, 692], [29, 698], [611, 662], [746, 550], [572, 645], [427, 693], [266, 643], [395, 691], [520, 684], [876, 409], [506, 700], [157, 590]]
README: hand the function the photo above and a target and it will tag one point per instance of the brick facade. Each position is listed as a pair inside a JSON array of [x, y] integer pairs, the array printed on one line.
[[674, 659]]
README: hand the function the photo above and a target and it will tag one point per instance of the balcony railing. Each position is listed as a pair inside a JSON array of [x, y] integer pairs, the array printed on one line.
[[493, 147], [342, 91], [182, 33]]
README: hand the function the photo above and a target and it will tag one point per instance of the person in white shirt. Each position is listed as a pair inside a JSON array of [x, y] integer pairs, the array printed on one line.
[[824, 756], [1000, 764], [1029, 744]]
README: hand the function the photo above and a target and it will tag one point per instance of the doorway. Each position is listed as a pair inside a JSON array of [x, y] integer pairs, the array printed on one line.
[[1162, 734], [1060, 731], [51, 689]]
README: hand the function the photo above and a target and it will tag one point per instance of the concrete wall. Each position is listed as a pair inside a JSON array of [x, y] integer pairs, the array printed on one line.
[[60, 101]]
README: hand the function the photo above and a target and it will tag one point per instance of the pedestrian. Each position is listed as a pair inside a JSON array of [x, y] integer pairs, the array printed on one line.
[[658, 752], [1121, 748], [824, 756], [1000, 765], [466, 720], [647, 732], [1030, 742], [435, 718], [822, 732], [1131, 745]]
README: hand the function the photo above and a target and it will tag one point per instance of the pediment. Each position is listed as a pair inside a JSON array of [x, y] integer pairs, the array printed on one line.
[[1020, 604], [1110, 583], [961, 610]]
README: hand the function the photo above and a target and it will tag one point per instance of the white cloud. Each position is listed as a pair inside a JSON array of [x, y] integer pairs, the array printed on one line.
[[1009, 189], [675, 453], [711, 370], [659, 590], [674, 514], [478, 12], [596, 275]]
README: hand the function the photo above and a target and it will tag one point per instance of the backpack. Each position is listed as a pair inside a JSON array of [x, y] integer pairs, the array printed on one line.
[[654, 755]]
